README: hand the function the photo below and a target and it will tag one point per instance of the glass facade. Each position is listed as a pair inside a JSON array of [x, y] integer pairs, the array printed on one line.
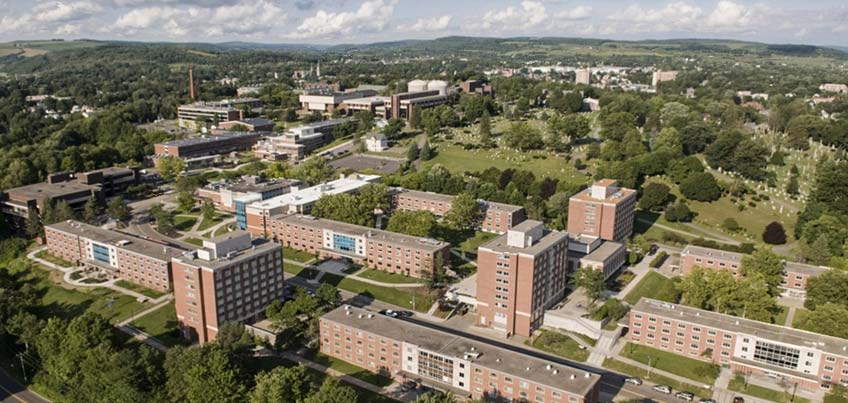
[[100, 252], [435, 366], [344, 243], [782, 356], [241, 215]]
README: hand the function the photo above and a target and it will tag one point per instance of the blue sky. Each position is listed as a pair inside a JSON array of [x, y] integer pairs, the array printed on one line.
[[358, 21]]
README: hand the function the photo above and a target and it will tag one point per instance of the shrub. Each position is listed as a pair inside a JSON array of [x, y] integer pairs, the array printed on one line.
[[658, 260], [678, 212], [730, 224], [774, 234]]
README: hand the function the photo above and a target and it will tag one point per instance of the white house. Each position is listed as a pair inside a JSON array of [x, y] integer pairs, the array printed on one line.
[[376, 142]]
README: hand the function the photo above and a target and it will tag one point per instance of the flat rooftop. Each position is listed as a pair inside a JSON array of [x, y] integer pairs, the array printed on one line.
[[618, 196], [499, 244], [311, 194], [710, 253], [603, 252], [505, 361], [244, 186], [41, 190], [378, 100], [118, 239], [801, 268], [439, 197], [208, 139], [258, 246], [782, 334], [372, 234]]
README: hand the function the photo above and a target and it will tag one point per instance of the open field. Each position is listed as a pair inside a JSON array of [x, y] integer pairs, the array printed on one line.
[[349, 369], [297, 255], [771, 395], [139, 289], [386, 277], [53, 259]]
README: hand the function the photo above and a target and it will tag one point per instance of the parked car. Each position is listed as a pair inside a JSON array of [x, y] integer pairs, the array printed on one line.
[[635, 381], [685, 396], [653, 249], [390, 313], [662, 389], [738, 399], [707, 401]]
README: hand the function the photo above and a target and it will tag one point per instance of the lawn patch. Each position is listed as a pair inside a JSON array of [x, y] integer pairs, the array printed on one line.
[[738, 384], [348, 369], [628, 369], [559, 344], [400, 297], [44, 255], [386, 277], [696, 370], [297, 255], [184, 222], [308, 273], [656, 286], [217, 219], [162, 324], [194, 241], [139, 289]]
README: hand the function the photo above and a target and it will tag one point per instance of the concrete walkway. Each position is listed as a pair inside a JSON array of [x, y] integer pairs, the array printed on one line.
[[667, 228], [790, 317], [462, 256], [338, 272], [392, 391]]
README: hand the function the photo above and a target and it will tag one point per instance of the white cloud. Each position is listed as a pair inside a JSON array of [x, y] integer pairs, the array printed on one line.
[[673, 16], [576, 13], [371, 16], [245, 18], [730, 16], [727, 16], [427, 24], [529, 15], [58, 11]]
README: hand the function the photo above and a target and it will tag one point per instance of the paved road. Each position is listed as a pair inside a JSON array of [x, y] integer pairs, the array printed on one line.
[[13, 392]]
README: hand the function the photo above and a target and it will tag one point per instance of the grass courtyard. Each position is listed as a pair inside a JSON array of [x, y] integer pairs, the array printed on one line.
[[631, 370], [184, 222], [162, 324], [386, 277], [396, 296], [348, 369], [559, 344], [700, 371], [738, 384], [653, 285], [297, 255], [139, 289]]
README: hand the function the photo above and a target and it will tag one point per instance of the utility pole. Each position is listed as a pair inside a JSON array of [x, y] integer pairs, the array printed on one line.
[[650, 366], [413, 302]]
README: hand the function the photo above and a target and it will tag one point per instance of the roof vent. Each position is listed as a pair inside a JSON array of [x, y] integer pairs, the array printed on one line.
[[573, 377], [527, 368], [548, 367], [497, 360], [556, 371], [587, 375], [360, 316], [370, 315]]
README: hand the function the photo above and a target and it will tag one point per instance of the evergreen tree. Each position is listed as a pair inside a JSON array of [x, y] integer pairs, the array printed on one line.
[[426, 153], [415, 118], [774, 234], [412, 153], [118, 210], [792, 185], [33, 226], [92, 210], [485, 128]]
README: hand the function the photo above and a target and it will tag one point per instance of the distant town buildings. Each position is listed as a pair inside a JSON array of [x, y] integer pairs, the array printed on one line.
[[807, 359], [378, 249], [830, 87], [520, 274], [663, 76], [476, 87], [496, 217], [116, 254], [300, 201], [604, 210], [470, 368], [329, 101], [298, 141], [230, 278], [248, 90], [795, 275]]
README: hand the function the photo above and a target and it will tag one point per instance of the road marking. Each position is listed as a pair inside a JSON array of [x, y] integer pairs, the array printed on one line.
[[12, 394]]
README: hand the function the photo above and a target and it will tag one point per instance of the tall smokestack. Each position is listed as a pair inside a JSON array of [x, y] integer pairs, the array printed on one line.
[[191, 83]]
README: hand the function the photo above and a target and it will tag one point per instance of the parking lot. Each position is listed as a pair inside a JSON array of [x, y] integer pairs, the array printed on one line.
[[361, 162]]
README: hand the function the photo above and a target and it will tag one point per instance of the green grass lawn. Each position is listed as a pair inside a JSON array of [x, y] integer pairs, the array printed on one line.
[[184, 222], [386, 277], [57, 300], [738, 384], [559, 344], [297, 255], [628, 369], [396, 296], [194, 241], [696, 370], [53, 259], [653, 285], [479, 238], [139, 289], [206, 224], [780, 317], [300, 271], [541, 162], [800, 317], [349, 369], [831, 398], [162, 324], [221, 230]]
